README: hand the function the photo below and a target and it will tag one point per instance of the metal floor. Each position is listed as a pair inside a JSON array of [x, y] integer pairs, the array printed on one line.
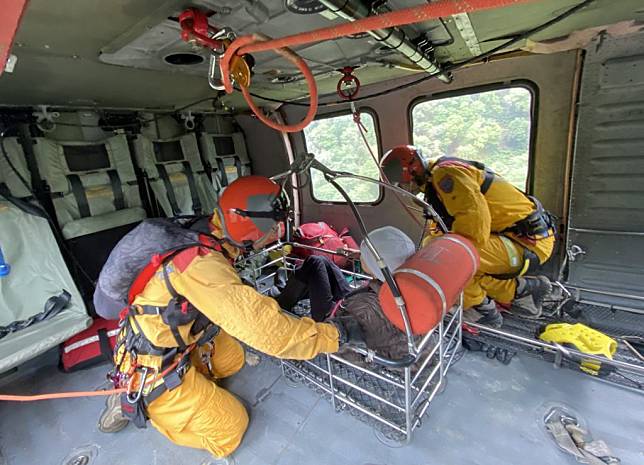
[[489, 414]]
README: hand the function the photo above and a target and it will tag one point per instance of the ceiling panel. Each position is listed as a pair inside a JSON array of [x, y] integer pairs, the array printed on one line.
[[70, 50]]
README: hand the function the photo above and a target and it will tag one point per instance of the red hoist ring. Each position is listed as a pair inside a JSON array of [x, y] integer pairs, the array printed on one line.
[[348, 85]]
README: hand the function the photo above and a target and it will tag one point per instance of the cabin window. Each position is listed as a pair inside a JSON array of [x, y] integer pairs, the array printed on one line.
[[336, 142], [492, 127]]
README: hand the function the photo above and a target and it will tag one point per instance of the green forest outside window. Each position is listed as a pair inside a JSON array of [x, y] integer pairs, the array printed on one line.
[[336, 142], [492, 127]]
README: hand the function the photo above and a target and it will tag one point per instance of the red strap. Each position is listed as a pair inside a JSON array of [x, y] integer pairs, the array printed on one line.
[[471, 329], [182, 260], [145, 276], [210, 242]]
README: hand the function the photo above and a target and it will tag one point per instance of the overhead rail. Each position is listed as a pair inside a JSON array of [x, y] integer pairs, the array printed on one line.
[[255, 43], [403, 17]]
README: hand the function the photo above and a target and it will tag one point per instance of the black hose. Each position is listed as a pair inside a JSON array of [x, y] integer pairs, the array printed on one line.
[[385, 271]]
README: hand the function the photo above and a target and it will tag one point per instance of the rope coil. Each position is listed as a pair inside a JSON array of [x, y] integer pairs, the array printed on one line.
[[287, 53]]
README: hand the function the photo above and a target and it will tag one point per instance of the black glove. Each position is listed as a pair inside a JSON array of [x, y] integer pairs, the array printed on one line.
[[349, 330]]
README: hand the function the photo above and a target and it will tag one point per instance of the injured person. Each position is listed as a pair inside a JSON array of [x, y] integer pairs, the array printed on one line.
[[330, 294]]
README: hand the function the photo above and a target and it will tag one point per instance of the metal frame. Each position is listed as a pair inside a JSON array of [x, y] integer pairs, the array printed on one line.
[[560, 351], [395, 394], [391, 397]]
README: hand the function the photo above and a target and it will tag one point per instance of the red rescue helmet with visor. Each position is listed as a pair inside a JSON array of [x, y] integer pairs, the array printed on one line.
[[405, 166], [253, 212]]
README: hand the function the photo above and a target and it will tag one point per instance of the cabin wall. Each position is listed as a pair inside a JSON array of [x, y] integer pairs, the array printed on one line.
[[553, 77], [606, 220], [265, 147]]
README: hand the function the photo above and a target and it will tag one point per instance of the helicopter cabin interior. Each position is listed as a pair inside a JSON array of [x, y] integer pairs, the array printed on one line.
[[117, 111]]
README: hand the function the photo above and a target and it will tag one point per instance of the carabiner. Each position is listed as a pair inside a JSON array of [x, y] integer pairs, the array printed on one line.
[[139, 393]]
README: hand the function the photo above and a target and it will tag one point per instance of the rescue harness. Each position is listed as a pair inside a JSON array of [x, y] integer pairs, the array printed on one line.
[[538, 223], [175, 361]]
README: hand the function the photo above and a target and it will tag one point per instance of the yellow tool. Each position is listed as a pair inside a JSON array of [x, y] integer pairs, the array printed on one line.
[[584, 339]]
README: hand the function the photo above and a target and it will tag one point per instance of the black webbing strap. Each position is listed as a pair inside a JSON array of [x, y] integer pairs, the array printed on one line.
[[117, 189], [196, 203], [238, 165], [208, 335], [172, 198], [104, 344], [53, 307], [21, 204], [538, 223], [487, 182], [79, 194], [178, 299], [171, 380], [142, 343], [222, 170]]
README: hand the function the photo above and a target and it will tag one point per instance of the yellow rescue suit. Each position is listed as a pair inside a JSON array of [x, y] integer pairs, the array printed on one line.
[[198, 413], [483, 218]]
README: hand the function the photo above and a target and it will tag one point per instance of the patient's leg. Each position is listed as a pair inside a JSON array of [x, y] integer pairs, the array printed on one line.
[[326, 286], [324, 282]]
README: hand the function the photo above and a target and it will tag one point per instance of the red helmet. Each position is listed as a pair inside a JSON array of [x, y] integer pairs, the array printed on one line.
[[405, 164], [253, 211]]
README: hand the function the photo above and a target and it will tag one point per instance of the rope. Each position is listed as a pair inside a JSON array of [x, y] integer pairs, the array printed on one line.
[[61, 395], [104, 392], [260, 43], [289, 55], [363, 130]]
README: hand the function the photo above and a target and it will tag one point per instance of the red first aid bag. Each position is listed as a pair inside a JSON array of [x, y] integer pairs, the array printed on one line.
[[325, 237], [90, 347]]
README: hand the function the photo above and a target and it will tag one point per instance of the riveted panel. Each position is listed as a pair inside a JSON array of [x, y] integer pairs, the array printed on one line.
[[607, 198]]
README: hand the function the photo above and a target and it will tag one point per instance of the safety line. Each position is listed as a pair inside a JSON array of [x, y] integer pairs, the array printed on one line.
[[362, 130], [259, 43], [105, 392]]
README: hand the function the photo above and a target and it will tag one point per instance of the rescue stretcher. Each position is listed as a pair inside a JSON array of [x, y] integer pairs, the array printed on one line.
[[392, 396]]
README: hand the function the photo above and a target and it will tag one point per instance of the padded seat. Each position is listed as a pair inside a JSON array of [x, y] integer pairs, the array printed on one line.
[[8, 178], [176, 174], [226, 157], [38, 272], [92, 184]]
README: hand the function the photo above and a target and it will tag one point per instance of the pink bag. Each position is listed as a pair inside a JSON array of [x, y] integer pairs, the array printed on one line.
[[325, 237]]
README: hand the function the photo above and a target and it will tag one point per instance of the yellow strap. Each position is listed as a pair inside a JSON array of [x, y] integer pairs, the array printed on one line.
[[513, 254]]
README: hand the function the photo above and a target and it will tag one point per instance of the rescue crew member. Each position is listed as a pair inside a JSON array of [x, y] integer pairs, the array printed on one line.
[[511, 230], [184, 401]]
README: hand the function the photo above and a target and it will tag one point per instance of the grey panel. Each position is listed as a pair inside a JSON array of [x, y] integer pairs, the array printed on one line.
[[607, 197], [611, 269]]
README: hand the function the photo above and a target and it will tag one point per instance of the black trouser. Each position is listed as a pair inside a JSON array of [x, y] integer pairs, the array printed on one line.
[[320, 279]]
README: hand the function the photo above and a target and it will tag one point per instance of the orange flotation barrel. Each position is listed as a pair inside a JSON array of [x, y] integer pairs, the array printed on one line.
[[430, 282]]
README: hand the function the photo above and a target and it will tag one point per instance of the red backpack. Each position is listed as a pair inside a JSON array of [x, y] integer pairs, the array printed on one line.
[[325, 237], [90, 347]]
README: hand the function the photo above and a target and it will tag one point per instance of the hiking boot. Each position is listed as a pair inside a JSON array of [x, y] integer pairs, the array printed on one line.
[[112, 419], [490, 315], [530, 294]]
